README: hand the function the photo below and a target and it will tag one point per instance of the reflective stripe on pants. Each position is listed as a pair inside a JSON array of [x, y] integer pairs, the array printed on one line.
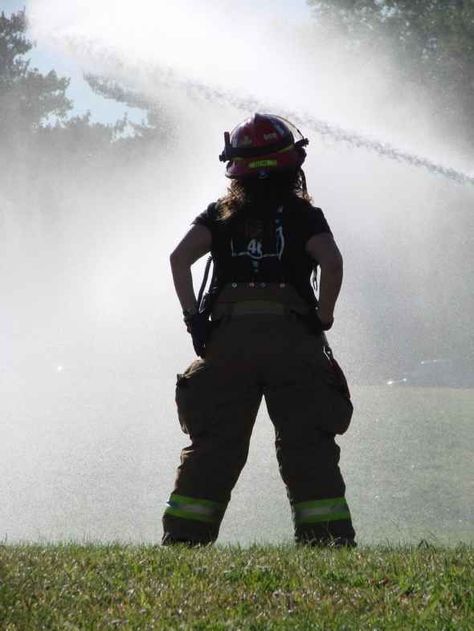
[[314, 511], [196, 509]]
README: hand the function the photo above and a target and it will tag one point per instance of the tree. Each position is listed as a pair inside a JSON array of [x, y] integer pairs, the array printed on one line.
[[41, 145], [153, 128], [35, 105], [432, 42], [28, 99]]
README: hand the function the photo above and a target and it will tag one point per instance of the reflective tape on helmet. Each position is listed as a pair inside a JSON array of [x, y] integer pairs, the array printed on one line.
[[321, 510], [194, 508], [259, 164]]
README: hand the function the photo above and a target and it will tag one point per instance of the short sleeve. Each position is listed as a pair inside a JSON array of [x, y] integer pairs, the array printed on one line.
[[315, 223], [207, 218]]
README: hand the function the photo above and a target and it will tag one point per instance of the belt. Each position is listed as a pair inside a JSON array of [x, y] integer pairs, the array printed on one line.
[[252, 307]]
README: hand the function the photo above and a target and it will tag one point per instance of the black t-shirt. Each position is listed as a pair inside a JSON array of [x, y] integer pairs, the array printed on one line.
[[262, 245]]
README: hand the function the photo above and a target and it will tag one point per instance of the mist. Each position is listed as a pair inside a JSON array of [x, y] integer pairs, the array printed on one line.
[[92, 334]]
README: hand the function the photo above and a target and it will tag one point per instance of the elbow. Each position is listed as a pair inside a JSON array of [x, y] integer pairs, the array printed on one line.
[[179, 259], [176, 259], [333, 265], [173, 259]]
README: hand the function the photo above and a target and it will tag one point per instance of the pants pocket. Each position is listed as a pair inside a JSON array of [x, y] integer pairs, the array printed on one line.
[[338, 376], [194, 398], [341, 396], [329, 394]]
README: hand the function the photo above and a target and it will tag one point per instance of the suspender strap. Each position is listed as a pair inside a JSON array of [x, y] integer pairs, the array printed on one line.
[[204, 283]]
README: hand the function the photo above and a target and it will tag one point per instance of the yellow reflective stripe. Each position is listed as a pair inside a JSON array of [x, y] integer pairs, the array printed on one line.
[[313, 511], [194, 508], [174, 497], [177, 512], [258, 164]]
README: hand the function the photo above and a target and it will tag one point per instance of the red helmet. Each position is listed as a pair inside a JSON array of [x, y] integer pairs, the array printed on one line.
[[263, 144]]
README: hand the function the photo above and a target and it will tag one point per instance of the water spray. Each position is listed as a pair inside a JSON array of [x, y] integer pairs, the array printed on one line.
[[183, 49], [321, 127]]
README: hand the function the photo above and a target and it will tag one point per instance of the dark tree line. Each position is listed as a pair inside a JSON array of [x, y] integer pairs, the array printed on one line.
[[32, 102], [44, 148], [35, 106], [27, 97]]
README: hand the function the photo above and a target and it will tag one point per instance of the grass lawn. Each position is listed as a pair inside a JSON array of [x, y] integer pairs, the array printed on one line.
[[261, 587]]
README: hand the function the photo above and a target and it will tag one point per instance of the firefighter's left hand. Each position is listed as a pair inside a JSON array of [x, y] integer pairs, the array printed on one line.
[[199, 327]]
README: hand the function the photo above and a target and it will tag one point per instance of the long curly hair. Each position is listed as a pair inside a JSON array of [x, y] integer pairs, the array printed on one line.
[[265, 193]]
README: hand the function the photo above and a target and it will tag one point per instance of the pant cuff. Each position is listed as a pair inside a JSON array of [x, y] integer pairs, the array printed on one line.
[[180, 530]]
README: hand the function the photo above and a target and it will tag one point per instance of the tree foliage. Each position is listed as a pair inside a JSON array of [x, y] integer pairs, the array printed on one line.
[[45, 150], [432, 42], [28, 99], [156, 119], [32, 103]]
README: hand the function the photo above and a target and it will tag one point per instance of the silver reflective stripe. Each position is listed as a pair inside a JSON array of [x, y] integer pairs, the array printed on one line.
[[321, 510], [193, 508]]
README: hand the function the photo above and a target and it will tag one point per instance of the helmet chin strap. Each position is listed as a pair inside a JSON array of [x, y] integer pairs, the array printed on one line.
[[227, 153], [303, 181]]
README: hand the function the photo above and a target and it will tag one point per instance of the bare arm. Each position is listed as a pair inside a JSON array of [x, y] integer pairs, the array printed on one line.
[[323, 249], [194, 245]]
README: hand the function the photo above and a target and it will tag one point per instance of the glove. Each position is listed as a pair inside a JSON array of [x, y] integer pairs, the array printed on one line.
[[199, 327], [316, 325]]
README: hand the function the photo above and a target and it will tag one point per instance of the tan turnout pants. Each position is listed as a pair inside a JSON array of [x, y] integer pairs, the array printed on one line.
[[251, 355]]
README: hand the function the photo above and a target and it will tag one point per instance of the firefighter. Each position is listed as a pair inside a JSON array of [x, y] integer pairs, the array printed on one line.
[[261, 334]]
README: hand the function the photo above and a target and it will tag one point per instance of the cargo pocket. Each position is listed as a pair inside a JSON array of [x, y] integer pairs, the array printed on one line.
[[342, 404], [194, 399], [331, 396], [340, 378]]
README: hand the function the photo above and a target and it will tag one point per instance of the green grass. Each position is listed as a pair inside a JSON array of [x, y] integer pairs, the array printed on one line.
[[144, 587]]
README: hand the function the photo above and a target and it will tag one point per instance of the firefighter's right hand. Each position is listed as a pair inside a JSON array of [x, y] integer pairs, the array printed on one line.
[[199, 327], [316, 325]]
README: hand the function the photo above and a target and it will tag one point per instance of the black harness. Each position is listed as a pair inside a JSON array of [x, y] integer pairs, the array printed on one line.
[[204, 302]]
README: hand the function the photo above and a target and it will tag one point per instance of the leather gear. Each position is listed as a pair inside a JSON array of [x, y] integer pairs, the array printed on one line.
[[258, 246]]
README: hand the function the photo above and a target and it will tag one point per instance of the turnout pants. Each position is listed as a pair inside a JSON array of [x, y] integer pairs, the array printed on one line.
[[250, 357]]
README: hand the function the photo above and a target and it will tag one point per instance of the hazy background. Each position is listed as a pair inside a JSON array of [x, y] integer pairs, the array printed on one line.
[[91, 206]]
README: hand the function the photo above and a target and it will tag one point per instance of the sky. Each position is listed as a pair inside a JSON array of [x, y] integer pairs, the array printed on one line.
[[46, 58]]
